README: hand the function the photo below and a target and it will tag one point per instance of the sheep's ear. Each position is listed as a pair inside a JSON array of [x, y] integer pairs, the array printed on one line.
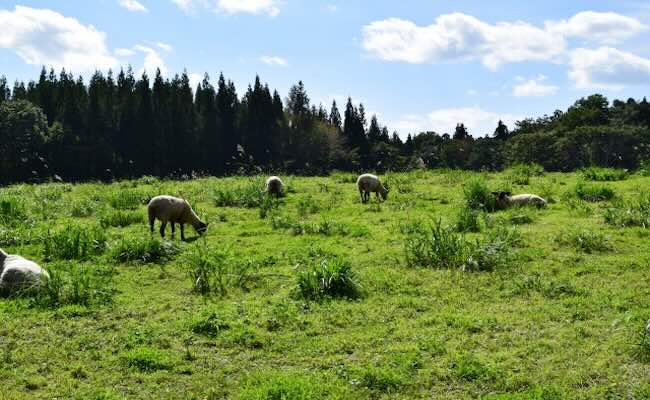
[[507, 193]]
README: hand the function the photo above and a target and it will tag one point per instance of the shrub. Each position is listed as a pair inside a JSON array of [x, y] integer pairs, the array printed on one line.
[[74, 243], [585, 241], [468, 220], [328, 277], [146, 359], [593, 193], [82, 208], [120, 219], [603, 174], [630, 213], [478, 196], [307, 205], [520, 174], [145, 250]]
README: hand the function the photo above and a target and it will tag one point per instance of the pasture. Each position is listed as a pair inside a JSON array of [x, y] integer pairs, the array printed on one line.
[[317, 296]]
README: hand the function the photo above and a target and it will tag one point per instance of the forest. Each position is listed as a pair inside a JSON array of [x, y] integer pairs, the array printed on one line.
[[60, 127]]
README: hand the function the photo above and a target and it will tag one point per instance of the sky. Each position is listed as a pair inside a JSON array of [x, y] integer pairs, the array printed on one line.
[[418, 64]]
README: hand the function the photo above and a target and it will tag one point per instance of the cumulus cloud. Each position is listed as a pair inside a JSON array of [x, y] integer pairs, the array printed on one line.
[[274, 61], [195, 79], [124, 52], [45, 37], [478, 122], [133, 5], [607, 68], [460, 37], [268, 7], [534, 87], [152, 61], [167, 47], [601, 27]]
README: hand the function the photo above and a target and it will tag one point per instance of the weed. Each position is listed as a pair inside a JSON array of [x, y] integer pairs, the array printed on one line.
[[585, 241], [468, 220], [72, 284], [215, 271], [209, 324], [146, 359], [145, 250], [603, 174], [120, 219], [630, 213], [478, 196], [127, 199], [12, 211], [593, 193], [520, 174]]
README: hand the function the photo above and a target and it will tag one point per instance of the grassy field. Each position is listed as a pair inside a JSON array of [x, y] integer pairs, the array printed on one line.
[[316, 295]]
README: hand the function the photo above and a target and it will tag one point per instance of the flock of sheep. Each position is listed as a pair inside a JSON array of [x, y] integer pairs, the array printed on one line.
[[19, 274]]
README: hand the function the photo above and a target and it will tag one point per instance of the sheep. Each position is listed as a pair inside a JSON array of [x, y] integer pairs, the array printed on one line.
[[370, 183], [18, 274], [172, 209], [505, 200], [274, 186]]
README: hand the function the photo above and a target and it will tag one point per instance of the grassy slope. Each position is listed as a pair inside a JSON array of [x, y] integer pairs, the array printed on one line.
[[558, 323]]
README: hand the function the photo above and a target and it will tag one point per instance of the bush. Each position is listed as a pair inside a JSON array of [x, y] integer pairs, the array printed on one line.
[[520, 174], [127, 199], [328, 277], [631, 213], [593, 193], [82, 208], [478, 196], [249, 195], [307, 205], [468, 220], [604, 174], [120, 219], [145, 250], [585, 241], [74, 243]]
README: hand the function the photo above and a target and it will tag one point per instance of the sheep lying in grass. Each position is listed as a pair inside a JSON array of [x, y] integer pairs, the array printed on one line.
[[505, 200], [274, 186], [18, 274], [368, 183], [174, 210]]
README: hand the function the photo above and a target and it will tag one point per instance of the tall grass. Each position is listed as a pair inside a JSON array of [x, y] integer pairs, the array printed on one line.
[[145, 250], [630, 213], [585, 241], [75, 284], [12, 211], [593, 192], [603, 174], [127, 199], [520, 174], [215, 271], [249, 195], [120, 219], [327, 277], [478, 196], [74, 243]]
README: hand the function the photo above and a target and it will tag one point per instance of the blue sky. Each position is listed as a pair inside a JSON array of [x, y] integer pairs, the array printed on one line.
[[419, 65]]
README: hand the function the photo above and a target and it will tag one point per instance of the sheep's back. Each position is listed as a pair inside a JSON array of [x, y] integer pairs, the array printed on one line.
[[368, 183], [274, 184], [18, 273], [167, 208], [521, 199]]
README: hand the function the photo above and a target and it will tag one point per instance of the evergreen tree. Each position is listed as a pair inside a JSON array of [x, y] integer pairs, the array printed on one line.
[[501, 132], [461, 132], [227, 107], [335, 116]]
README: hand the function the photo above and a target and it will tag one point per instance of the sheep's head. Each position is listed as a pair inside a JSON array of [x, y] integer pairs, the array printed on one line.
[[502, 198], [201, 228], [384, 192]]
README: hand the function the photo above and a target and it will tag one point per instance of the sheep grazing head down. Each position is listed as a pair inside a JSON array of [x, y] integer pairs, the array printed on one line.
[[201, 228], [383, 192]]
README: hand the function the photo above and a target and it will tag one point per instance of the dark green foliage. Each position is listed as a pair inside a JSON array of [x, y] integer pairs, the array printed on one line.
[[604, 174], [72, 284], [468, 220], [145, 250], [127, 199], [250, 195], [328, 277], [74, 243], [216, 271], [12, 211], [209, 324]]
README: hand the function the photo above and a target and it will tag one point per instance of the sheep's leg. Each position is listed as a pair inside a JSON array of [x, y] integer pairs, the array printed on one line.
[[361, 194], [151, 222], [163, 225], [182, 232], [173, 229]]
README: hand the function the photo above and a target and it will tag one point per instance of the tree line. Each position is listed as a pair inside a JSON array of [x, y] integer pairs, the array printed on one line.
[[123, 126]]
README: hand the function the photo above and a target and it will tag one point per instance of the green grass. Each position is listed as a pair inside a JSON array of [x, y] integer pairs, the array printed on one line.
[[328, 298]]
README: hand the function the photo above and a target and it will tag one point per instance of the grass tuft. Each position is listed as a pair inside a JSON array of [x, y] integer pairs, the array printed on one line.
[[328, 277]]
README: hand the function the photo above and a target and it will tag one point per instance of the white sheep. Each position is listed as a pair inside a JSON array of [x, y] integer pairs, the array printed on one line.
[[368, 183], [505, 200], [274, 186], [18, 274], [172, 209]]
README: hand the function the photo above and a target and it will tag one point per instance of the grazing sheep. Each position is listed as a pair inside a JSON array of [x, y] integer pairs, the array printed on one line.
[[274, 186], [18, 274], [368, 183], [174, 210], [505, 200]]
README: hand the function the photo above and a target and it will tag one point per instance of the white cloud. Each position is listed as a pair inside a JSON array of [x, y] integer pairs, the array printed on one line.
[[45, 37], [602, 27], [133, 5], [167, 47], [460, 37], [274, 61], [124, 52], [607, 68], [195, 79], [152, 61], [534, 87], [332, 8], [268, 7], [478, 122]]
